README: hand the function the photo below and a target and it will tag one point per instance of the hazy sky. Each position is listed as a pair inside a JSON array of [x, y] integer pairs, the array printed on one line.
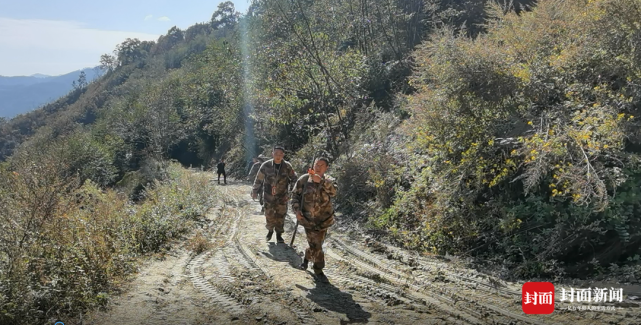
[[59, 36]]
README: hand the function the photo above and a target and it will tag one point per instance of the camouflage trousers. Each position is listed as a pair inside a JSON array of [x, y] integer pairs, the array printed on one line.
[[314, 253], [275, 217]]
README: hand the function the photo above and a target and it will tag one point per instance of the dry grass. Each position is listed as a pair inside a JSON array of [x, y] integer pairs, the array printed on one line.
[[199, 243], [69, 245]]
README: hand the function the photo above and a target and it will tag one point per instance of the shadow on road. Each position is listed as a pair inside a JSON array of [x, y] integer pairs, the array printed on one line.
[[283, 253], [331, 298]]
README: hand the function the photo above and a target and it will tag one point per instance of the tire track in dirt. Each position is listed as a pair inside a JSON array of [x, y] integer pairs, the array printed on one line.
[[505, 294], [387, 294], [444, 295], [246, 253], [163, 293], [237, 278], [390, 293], [465, 298], [389, 282], [228, 304], [288, 279], [440, 302], [248, 257], [381, 267], [502, 303], [371, 289], [195, 265], [242, 258]]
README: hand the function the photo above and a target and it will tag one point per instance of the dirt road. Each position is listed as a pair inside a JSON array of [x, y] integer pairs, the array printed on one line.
[[243, 279]]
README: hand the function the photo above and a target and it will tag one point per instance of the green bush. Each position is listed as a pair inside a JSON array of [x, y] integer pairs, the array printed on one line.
[[368, 172], [524, 140]]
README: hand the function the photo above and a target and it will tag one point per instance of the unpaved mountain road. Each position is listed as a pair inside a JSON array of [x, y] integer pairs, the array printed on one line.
[[242, 279]]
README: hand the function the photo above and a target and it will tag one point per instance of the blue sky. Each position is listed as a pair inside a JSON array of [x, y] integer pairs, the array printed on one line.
[[59, 36]]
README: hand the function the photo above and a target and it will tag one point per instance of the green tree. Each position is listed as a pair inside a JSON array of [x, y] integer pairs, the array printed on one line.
[[108, 62], [225, 16], [167, 42], [81, 83], [132, 50]]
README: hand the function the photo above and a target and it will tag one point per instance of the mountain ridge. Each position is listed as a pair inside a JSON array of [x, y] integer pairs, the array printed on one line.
[[40, 75], [21, 94]]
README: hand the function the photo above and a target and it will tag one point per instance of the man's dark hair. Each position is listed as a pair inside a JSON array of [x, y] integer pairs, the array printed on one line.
[[279, 148], [324, 159]]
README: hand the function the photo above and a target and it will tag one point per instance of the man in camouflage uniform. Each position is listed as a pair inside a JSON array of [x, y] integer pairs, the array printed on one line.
[[274, 179], [258, 161], [250, 166], [254, 168], [314, 212]]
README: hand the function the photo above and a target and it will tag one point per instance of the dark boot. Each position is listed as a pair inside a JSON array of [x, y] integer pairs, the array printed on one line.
[[279, 238], [269, 235], [304, 265], [320, 276]]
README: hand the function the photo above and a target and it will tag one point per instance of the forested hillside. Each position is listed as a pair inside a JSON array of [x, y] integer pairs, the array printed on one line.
[[504, 131]]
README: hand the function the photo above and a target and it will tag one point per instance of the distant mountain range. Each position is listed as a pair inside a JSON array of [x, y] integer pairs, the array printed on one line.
[[22, 94]]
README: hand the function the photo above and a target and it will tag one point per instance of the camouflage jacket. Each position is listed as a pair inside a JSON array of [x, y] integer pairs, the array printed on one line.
[[268, 175], [254, 171], [315, 204]]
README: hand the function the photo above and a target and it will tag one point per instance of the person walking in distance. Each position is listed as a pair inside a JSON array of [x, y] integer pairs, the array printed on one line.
[[314, 211], [258, 161], [221, 170], [274, 179], [254, 169], [251, 168]]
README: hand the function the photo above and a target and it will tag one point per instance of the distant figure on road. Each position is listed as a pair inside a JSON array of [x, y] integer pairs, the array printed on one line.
[[221, 170]]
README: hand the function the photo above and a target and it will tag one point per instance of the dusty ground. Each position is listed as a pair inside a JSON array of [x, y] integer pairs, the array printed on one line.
[[243, 279]]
